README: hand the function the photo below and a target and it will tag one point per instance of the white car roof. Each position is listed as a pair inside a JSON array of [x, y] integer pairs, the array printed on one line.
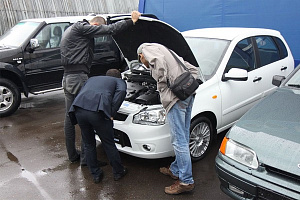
[[71, 19], [229, 33]]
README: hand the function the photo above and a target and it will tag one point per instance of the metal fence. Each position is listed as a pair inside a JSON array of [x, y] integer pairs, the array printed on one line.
[[12, 11]]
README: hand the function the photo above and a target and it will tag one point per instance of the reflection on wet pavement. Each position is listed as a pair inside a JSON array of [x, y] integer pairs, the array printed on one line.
[[34, 163], [32, 178]]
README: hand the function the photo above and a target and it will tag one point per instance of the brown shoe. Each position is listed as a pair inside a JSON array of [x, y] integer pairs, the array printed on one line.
[[178, 188], [167, 172]]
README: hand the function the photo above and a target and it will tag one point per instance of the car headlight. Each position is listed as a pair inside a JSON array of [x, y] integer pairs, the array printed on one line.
[[152, 117], [239, 153]]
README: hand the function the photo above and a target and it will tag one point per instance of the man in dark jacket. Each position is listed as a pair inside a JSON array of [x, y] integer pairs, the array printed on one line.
[[77, 47], [94, 107]]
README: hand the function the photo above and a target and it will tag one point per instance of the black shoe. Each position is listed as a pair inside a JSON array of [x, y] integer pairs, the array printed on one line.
[[100, 164], [97, 179], [76, 159], [119, 176]]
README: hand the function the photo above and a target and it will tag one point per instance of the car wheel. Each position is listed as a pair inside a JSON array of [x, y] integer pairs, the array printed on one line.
[[201, 137], [10, 97]]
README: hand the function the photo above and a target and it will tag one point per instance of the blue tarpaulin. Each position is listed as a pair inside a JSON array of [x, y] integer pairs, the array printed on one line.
[[281, 15]]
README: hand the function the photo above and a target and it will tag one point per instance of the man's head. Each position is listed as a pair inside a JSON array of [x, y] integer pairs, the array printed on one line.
[[114, 73], [141, 56], [97, 21]]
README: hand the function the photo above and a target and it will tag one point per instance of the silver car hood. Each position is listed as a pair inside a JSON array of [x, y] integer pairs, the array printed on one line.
[[148, 29], [272, 130]]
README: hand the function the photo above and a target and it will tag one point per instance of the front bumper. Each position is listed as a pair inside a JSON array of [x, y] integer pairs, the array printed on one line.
[[241, 185], [143, 141]]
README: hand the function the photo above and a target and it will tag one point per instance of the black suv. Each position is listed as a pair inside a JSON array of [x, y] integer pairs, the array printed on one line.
[[30, 59]]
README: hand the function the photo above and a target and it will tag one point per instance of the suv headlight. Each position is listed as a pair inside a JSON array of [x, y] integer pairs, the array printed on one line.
[[153, 117], [239, 153]]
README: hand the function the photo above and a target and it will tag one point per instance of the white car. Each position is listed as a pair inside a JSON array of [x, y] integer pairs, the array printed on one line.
[[236, 66]]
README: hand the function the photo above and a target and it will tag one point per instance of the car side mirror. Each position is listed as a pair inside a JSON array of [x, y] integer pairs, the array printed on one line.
[[277, 80], [235, 74], [34, 43]]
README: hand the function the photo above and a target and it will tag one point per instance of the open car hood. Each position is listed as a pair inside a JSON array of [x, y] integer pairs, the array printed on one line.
[[151, 30]]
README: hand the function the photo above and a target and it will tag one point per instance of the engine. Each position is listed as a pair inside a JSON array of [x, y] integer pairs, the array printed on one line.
[[141, 87]]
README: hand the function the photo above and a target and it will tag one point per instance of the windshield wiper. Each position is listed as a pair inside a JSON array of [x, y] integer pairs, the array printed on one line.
[[294, 85]]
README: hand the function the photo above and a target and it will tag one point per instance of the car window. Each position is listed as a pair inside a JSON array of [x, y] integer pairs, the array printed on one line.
[[283, 50], [102, 43], [14, 38], [242, 56], [105, 50], [50, 35], [208, 53], [267, 50]]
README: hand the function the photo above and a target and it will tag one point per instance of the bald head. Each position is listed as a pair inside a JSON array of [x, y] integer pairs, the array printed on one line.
[[97, 21]]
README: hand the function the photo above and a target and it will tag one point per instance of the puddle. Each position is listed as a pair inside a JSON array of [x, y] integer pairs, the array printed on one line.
[[60, 167], [12, 158], [30, 176]]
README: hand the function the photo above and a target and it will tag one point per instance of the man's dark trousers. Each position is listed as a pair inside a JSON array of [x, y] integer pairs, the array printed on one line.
[[72, 84], [90, 121]]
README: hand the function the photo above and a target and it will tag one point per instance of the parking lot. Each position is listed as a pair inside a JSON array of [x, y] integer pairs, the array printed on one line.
[[34, 164]]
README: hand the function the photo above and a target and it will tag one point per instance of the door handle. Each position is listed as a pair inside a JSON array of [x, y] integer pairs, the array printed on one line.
[[257, 79], [283, 68]]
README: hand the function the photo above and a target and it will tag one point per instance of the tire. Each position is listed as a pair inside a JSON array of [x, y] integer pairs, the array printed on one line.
[[201, 138], [10, 97]]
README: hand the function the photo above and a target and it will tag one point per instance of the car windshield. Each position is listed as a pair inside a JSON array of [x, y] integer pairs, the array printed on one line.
[[294, 81], [208, 53], [18, 34]]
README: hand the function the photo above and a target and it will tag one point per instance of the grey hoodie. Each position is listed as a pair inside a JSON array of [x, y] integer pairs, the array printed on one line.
[[162, 66]]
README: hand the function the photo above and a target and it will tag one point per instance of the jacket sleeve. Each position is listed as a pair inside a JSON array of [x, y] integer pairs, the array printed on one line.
[[119, 96], [111, 29], [193, 70]]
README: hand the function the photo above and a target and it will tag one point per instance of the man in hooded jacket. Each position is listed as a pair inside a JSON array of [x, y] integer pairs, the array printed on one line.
[[164, 66]]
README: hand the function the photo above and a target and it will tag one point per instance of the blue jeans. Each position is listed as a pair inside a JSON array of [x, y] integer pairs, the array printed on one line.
[[72, 84], [179, 118], [88, 122]]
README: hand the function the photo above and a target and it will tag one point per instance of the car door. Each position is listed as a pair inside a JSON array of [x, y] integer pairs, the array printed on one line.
[[43, 65], [106, 55], [239, 96], [272, 60]]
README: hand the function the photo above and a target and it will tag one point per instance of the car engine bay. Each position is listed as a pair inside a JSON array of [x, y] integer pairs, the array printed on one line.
[[141, 87]]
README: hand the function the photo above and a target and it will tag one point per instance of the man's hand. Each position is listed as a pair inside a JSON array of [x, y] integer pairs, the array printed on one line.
[[135, 15]]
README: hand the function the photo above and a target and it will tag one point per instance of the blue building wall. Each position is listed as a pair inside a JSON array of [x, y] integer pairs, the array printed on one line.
[[282, 15]]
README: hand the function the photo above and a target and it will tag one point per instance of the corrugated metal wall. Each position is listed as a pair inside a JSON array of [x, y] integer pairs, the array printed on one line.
[[12, 11]]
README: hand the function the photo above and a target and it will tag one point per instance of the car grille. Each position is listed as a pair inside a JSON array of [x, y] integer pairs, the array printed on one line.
[[283, 173], [121, 117], [265, 194], [121, 138]]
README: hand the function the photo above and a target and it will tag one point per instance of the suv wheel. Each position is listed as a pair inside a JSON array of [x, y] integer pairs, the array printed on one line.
[[10, 97], [201, 137]]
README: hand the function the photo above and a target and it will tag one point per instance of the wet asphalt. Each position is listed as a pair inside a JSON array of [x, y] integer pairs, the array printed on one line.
[[34, 164]]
